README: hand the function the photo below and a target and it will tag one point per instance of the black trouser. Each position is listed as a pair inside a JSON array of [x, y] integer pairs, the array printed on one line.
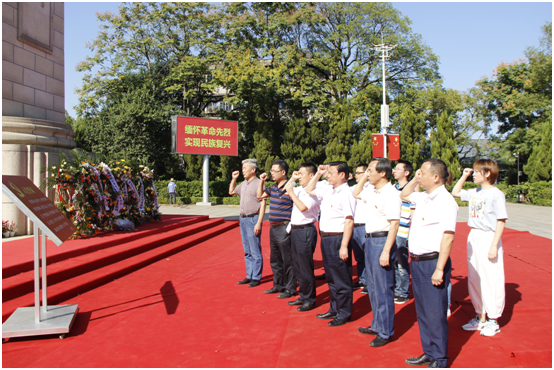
[[280, 259], [339, 276], [303, 243]]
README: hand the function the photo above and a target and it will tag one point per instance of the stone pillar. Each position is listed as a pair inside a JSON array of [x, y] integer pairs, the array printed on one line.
[[33, 96]]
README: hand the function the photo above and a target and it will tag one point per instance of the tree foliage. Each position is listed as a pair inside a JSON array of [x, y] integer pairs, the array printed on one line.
[[442, 144]]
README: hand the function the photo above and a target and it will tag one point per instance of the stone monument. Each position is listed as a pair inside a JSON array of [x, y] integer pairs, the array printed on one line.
[[33, 96]]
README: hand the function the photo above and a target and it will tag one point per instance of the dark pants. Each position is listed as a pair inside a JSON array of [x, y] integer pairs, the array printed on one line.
[[303, 243], [172, 199], [431, 305], [339, 276], [358, 245], [280, 259], [402, 270], [380, 285]]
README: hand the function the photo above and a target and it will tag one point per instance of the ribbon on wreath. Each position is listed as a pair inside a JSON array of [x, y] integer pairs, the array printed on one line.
[[155, 195], [133, 188], [119, 200], [141, 198]]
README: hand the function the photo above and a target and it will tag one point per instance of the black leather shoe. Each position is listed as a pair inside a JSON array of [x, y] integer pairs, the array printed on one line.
[[358, 285], [273, 290], [367, 331], [321, 277], [245, 281], [298, 302], [254, 283], [434, 364], [379, 342], [364, 290], [418, 361], [326, 316], [337, 322], [306, 307], [287, 294]]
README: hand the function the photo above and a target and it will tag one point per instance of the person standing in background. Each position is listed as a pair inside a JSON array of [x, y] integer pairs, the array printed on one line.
[[402, 173], [172, 187], [358, 235]]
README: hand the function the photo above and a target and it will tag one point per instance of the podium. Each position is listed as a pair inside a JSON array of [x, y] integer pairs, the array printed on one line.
[[48, 221]]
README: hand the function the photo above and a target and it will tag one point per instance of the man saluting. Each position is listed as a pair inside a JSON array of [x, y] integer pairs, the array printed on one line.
[[336, 225]]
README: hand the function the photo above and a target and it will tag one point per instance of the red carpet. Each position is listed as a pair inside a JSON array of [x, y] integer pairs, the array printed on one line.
[[187, 311]]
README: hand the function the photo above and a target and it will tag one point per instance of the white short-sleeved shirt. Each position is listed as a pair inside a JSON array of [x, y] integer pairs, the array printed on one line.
[[486, 207], [336, 205], [310, 214], [434, 214], [361, 206], [384, 205]]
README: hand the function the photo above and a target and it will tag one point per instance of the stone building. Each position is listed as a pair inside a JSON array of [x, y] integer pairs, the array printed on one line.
[[33, 95]]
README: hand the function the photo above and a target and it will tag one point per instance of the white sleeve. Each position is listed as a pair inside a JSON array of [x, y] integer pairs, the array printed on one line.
[[393, 208]]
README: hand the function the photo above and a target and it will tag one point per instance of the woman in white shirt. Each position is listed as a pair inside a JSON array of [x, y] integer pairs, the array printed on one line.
[[487, 217]]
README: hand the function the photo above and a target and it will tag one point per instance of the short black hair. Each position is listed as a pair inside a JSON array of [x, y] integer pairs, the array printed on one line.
[[341, 167], [438, 167], [407, 166], [310, 167], [364, 165], [383, 165], [282, 165]]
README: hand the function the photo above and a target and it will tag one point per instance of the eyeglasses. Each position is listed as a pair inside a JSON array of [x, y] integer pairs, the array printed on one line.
[[272, 171]]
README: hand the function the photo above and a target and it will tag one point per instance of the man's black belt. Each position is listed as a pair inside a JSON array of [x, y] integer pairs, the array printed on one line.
[[302, 226], [424, 257], [356, 225], [323, 234], [279, 224], [250, 215], [378, 234]]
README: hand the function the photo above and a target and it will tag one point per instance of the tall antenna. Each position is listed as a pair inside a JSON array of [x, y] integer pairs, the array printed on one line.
[[384, 49]]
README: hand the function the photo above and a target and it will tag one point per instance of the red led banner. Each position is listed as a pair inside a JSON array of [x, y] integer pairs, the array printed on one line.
[[204, 136]]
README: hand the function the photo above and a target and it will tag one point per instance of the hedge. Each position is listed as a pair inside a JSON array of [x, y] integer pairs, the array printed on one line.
[[190, 192]]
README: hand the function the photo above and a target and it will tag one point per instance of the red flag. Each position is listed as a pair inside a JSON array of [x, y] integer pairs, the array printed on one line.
[[378, 145], [393, 145]]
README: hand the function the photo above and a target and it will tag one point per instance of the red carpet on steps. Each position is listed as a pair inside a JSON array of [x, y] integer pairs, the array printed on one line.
[[187, 311]]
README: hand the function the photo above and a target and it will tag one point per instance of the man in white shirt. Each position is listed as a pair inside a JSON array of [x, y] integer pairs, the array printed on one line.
[[383, 218], [358, 235], [336, 224], [431, 238], [303, 235]]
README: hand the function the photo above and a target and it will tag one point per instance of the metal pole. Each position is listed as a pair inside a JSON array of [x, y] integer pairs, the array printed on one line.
[[37, 273], [383, 123], [205, 178], [517, 168], [44, 290]]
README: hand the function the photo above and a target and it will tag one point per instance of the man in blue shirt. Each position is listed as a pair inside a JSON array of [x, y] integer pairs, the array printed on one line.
[[280, 209], [171, 187]]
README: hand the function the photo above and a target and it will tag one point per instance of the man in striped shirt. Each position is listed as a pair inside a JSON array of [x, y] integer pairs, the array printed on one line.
[[280, 209], [401, 173]]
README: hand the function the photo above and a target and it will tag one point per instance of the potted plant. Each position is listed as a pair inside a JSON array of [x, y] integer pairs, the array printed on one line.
[[12, 228], [5, 229]]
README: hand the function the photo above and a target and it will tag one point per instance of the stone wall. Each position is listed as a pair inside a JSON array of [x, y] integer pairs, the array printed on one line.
[[33, 61], [34, 132]]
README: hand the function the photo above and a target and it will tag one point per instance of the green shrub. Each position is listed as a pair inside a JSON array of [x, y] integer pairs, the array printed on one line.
[[234, 200]]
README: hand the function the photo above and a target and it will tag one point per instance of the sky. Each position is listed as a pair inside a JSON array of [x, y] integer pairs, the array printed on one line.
[[470, 38]]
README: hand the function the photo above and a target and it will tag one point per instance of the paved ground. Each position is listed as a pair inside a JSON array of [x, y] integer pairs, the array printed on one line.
[[535, 219]]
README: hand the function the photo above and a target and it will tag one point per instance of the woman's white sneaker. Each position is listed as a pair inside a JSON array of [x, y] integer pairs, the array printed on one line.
[[491, 328], [474, 324]]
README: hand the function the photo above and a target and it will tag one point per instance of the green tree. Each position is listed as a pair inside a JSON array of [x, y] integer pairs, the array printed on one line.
[[413, 144], [303, 142], [539, 166], [442, 144]]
